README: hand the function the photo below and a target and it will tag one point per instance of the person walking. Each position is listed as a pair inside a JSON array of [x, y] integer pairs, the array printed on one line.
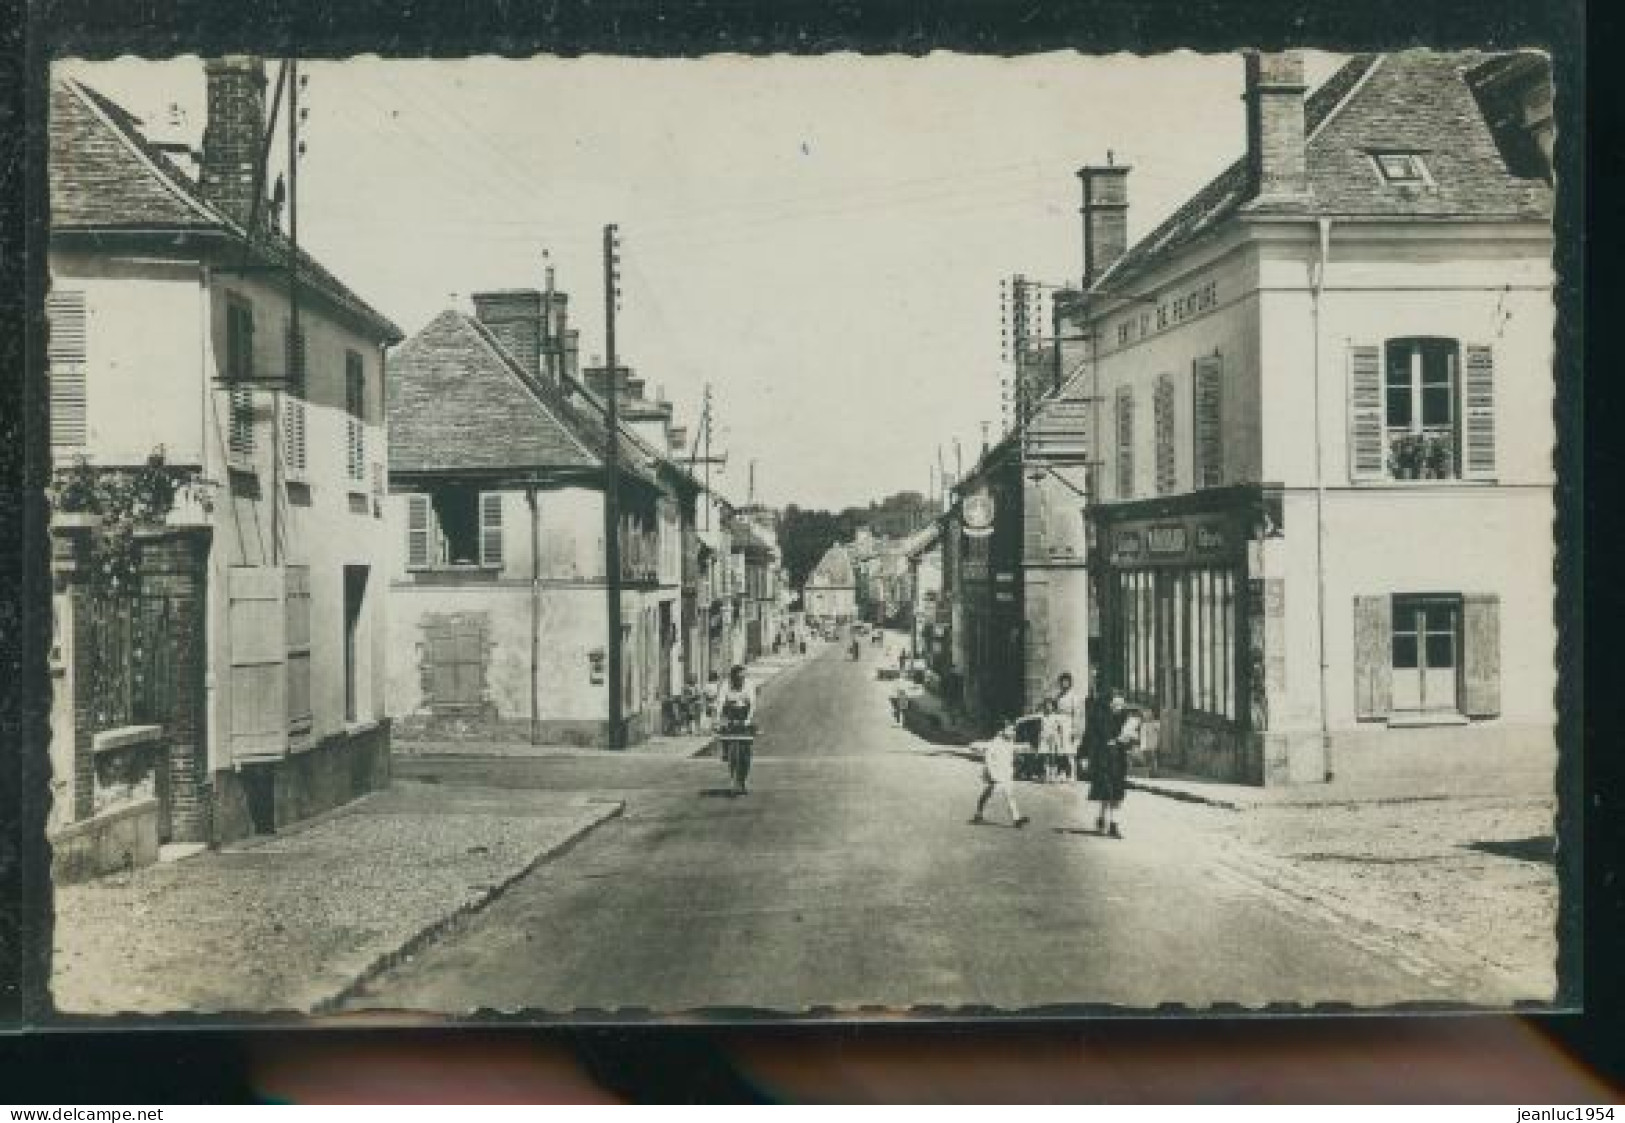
[[1108, 775], [999, 775], [735, 726]]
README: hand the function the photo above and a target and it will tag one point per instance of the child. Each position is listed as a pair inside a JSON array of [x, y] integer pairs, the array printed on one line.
[[999, 774], [1052, 739]]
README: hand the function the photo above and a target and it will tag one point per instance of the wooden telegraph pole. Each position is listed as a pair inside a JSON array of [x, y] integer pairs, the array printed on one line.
[[612, 484]]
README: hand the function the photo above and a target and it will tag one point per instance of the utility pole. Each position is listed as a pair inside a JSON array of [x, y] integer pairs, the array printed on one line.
[[709, 498], [296, 343], [612, 482]]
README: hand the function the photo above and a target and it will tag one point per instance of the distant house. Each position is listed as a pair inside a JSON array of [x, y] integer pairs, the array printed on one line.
[[830, 592], [497, 519], [250, 651]]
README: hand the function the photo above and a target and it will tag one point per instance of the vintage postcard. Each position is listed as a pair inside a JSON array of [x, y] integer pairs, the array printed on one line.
[[813, 536]]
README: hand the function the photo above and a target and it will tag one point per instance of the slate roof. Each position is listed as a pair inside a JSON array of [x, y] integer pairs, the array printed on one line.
[[459, 402], [1412, 101], [834, 570], [106, 178]]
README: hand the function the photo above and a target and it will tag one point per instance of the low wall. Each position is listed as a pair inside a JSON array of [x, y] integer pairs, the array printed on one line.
[[338, 769], [120, 838]]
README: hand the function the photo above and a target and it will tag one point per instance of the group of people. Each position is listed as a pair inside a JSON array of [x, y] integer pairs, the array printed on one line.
[[1100, 731]]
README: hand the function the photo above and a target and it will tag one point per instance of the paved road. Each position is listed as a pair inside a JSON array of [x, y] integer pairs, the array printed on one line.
[[850, 877]]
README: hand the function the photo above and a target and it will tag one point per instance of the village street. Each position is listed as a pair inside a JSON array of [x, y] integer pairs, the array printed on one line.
[[851, 877]]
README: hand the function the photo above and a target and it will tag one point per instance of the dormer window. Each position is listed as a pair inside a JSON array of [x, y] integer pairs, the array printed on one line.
[[1402, 169]]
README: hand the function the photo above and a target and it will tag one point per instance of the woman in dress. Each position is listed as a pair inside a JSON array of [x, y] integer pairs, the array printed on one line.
[[1108, 777]]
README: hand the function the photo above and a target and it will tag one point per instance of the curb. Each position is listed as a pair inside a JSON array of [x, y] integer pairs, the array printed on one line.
[[438, 928], [1187, 797]]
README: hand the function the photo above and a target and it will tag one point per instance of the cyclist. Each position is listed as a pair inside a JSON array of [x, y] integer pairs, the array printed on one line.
[[735, 726]]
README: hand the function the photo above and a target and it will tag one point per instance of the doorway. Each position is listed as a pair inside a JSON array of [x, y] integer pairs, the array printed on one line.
[[355, 595]]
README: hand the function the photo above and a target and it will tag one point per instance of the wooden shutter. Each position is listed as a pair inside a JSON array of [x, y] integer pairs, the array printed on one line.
[[1163, 421], [293, 347], [1481, 655], [417, 532], [65, 362], [1478, 413], [256, 636], [294, 451], [355, 448], [1373, 657], [491, 528], [1368, 444], [1207, 417], [298, 626], [240, 430], [1125, 442]]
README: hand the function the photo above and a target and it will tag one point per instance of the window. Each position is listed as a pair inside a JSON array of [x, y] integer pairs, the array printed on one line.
[[1425, 657], [454, 525], [1421, 408], [239, 339], [355, 399], [1125, 442], [1177, 638], [65, 359], [1401, 168]]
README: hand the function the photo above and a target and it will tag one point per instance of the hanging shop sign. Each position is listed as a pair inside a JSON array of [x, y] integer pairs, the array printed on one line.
[[1175, 542], [977, 512]]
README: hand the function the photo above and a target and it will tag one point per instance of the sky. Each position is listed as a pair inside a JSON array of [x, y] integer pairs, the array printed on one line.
[[820, 239]]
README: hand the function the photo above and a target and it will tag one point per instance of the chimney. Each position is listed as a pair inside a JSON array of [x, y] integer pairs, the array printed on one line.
[[555, 330], [232, 137], [1275, 125], [514, 316], [572, 355], [1105, 216]]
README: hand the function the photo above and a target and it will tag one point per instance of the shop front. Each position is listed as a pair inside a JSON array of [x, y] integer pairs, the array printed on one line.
[[1183, 627]]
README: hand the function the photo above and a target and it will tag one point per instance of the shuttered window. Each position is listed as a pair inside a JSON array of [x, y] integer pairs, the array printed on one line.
[[298, 625], [491, 528], [294, 347], [1368, 445], [1373, 658], [240, 426], [1163, 422], [239, 339], [256, 630], [1207, 416], [418, 532], [1125, 442], [294, 450], [1478, 413], [65, 352], [355, 402]]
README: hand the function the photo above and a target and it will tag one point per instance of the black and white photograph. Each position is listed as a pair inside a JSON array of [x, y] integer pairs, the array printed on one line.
[[830, 536]]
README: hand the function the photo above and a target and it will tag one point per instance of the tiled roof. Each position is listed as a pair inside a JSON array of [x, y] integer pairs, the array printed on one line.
[[1412, 101], [458, 401], [833, 569], [105, 177]]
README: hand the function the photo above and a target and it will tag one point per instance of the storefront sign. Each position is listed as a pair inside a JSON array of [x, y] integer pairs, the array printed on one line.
[[1173, 542], [1171, 311]]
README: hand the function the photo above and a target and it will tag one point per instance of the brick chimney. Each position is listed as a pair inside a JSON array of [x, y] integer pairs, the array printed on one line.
[[232, 137], [1275, 125], [514, 316], [1105, 216], [556, 334]]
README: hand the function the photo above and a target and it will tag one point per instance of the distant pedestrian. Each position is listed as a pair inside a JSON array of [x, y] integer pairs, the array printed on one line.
[[1108, 776], [999, 775], [899, 702]]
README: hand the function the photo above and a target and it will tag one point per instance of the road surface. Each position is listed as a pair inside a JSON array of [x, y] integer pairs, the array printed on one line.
[[850, 878]]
